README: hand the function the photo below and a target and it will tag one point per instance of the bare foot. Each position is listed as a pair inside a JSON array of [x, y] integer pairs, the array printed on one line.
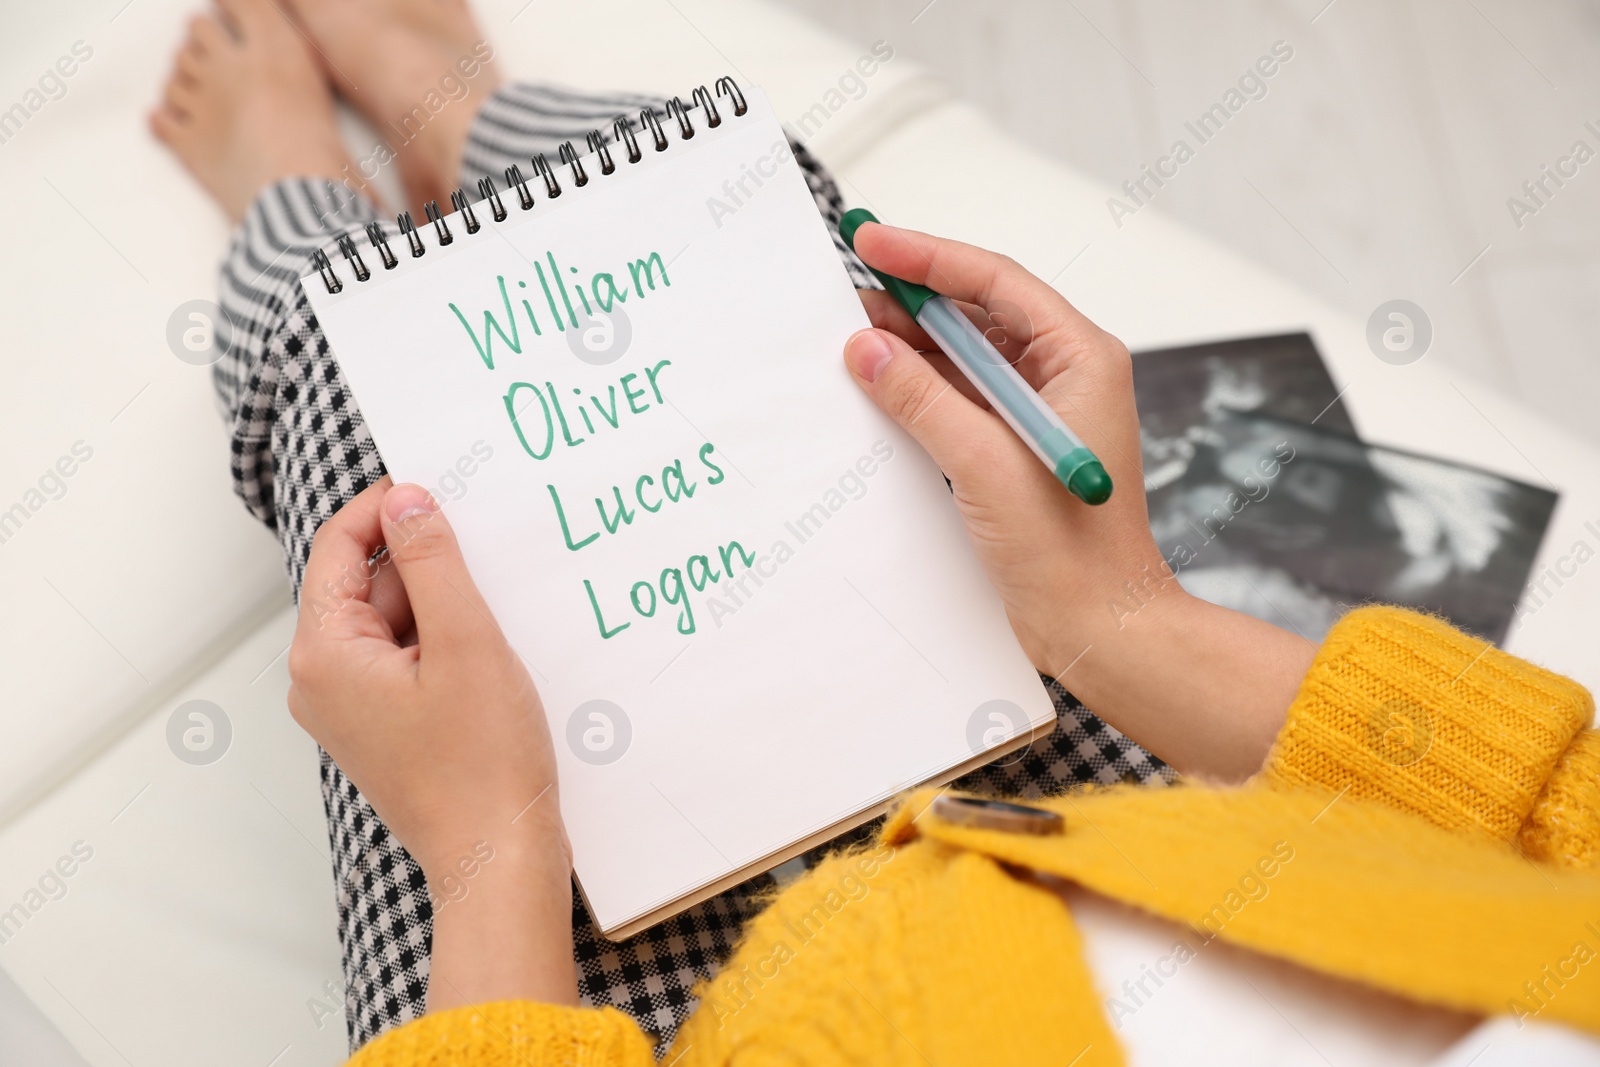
[[417, 69], [246, 106]]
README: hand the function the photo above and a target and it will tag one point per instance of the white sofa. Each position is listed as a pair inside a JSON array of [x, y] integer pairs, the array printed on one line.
[[201, 928]]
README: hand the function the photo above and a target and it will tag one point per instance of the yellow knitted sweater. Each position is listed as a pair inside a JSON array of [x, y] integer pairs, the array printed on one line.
[[1427, 824]]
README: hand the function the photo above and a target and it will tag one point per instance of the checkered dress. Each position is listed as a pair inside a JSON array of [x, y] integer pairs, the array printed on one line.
[[301, 450]]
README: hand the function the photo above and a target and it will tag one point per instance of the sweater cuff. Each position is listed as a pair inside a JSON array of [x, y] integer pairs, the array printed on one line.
[[1404, 709], [511, 1032], [1564, 827]]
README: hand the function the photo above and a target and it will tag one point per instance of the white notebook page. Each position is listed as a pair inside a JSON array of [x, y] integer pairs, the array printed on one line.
[[845, 644]]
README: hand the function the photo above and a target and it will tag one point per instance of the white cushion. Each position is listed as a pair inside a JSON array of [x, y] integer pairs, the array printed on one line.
[[202, 931]]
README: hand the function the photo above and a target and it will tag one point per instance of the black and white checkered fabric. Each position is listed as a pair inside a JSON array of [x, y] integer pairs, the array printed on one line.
[[301, 450]]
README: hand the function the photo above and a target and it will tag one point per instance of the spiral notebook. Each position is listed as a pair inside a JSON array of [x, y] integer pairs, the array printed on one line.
[[745, 596]]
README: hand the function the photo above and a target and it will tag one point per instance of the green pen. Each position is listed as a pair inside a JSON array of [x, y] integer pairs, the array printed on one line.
[[1025, 410]]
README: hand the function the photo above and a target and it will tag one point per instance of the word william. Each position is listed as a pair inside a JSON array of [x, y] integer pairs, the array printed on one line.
[[1252, 86], [1538, 190], [602, 285]]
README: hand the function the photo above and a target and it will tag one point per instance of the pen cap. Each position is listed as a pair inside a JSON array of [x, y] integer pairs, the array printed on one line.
[[910, 295]]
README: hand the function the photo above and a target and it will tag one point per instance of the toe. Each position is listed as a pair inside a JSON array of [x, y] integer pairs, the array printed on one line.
[[194, 51], [249, 15], [180, 95], [167, 123], [207, 35], [190, 64]]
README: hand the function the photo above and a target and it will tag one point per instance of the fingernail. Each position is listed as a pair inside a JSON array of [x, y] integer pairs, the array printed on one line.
[[406, 501], [868, 352]]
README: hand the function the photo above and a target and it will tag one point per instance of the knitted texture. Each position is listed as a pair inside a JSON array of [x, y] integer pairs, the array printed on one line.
[[902, 957], [946, 944], [1353, 888], [1403, 708], [1564, 827], [512, 1032]]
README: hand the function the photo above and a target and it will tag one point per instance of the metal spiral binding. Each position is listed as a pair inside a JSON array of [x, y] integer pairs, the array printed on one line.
[[730, 88], [622, 133], [703, 99], [569, 156], [441, 227], [515, 180], [648, 118], [409, 229], [675, 109], [381, 243], [353, 257], [623, 130], [542, 169], [458, 200], [486, 191], [319, 260], [597, 145]]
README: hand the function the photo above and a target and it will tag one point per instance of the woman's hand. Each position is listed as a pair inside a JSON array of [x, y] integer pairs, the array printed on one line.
[[1085, 588], [401, 674]]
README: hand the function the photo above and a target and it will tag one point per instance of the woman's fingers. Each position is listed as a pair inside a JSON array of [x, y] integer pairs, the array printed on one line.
[[1025, 311], [341, 634], [451, 616], [960, 271], [336, 591], [953, 430], [885, 313]]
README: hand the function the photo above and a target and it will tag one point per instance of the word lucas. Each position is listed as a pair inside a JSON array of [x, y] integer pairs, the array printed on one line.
[[1209, 123], [52, 886], [1538, 190], [52, 86]]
